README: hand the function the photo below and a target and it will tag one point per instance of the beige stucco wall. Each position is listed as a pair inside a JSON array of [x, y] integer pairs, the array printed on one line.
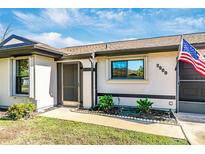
[[45, 81], [156, 82], [6, 98]]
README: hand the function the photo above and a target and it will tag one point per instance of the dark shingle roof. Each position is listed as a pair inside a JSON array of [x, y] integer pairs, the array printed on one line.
[[138, 45], [163, 41]]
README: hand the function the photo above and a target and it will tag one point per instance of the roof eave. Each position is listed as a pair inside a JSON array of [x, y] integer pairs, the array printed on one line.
[[123, 52], [16, 48], [53, 51], [137, 50], [28, 50], [77, 56]]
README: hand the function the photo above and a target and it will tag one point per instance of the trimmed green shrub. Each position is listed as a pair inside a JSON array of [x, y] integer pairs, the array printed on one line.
[[105, 103], [21, 110], [144, 105]]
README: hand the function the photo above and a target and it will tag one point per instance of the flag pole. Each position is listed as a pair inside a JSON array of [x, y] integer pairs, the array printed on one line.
[[177, 74], [179, 50]]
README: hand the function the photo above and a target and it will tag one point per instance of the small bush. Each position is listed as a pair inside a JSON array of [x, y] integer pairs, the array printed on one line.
[[105, 103], [21, 110], [144, 105]]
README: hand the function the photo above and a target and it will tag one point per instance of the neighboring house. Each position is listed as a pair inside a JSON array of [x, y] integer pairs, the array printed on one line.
[[127, 70]]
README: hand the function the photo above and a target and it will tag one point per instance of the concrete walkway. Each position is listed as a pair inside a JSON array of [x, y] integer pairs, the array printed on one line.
[[193, 126], [151, 128]]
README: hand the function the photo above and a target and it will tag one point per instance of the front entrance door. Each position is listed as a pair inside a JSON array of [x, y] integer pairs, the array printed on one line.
[[191, 89], [71, 84]]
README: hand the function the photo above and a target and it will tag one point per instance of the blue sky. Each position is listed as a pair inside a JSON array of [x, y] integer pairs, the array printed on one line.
[[69, 27]]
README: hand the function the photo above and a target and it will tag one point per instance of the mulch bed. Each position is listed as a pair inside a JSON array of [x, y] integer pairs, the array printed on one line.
[[154, 116]]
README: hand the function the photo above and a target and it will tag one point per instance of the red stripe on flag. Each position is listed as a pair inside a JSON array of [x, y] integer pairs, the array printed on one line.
[[197, 65], [185, 56], [190, 62], [196, 68], [197, 61]]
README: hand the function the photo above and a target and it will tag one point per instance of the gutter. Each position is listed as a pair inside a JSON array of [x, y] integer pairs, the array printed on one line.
[[14, 48], [77, 56], [54, 51], [29, 49]]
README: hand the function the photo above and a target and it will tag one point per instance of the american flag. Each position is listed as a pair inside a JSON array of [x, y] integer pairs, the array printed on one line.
[[189, 54]]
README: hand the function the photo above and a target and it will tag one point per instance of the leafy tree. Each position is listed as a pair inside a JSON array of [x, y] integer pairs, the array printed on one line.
[[4, 32]]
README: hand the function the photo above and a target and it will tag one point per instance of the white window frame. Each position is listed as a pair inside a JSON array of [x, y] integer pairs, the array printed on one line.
[[133, 57], [13, 73]]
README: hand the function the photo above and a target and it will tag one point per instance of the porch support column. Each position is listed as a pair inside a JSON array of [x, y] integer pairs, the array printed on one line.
[[59, 84]]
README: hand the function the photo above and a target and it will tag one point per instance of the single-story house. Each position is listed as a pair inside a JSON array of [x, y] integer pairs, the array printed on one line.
[[127, 70]]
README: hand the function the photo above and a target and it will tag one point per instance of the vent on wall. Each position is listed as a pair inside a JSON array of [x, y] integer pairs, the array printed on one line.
[[162, 69]]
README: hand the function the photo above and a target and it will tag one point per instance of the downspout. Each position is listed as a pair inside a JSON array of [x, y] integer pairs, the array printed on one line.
[[96, 84], [34, 78], [92, 92]]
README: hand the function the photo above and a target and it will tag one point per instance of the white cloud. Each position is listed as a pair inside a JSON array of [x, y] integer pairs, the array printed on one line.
[[64, 18], [110, 20], [189, 21], [30, 20], [45, 18], [25, 16], [1, 28], [110, 23], [130, 38], [58, 16], [152, 12], [184, 25], [82, 18], [1, 31], [111, 15], [55, 39]]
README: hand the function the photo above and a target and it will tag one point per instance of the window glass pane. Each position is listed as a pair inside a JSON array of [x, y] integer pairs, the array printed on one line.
[[25, 85], [22, 76], [128, 69], [119, 69], [136, 69], [22, 67]]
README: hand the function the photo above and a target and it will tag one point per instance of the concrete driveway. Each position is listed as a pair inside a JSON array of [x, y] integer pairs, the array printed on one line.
[[151, 128], [193, 126]]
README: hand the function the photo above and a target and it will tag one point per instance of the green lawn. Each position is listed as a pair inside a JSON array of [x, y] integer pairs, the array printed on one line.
[[42, 130]]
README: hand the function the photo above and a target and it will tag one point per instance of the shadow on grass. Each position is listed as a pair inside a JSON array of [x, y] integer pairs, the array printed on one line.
[[6, 118]]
